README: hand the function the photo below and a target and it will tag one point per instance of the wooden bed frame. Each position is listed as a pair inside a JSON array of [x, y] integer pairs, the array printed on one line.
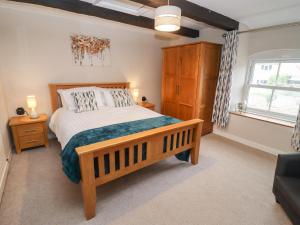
[[159, 144]]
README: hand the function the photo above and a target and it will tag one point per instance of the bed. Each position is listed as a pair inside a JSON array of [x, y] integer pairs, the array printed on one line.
[[128, 139]]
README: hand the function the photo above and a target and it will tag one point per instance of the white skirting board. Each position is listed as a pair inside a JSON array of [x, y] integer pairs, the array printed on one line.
[[249, 143], [3, 176]]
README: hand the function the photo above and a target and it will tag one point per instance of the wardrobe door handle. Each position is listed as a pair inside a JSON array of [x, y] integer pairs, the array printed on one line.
[[178, 90]]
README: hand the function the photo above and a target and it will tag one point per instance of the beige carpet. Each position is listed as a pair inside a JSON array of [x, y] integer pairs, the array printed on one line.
[[230, 186]]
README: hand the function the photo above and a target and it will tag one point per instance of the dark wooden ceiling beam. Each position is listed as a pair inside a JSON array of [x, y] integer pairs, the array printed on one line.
[[196, 12], [85, 8]]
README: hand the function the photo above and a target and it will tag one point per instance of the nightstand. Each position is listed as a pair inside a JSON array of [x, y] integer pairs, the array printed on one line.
[[147, 105], [28, 132]]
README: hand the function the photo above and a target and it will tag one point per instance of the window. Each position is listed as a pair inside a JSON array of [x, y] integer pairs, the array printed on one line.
[[273, 89]]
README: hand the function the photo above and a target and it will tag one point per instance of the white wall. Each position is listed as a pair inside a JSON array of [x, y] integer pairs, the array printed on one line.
[[4, 141], [284, 38], [266, 136], [4, 136], [269, 137], [206, 34], [35, 49]]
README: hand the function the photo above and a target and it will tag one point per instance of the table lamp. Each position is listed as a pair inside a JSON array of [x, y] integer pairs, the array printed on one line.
[[31, 103], [135, 94]]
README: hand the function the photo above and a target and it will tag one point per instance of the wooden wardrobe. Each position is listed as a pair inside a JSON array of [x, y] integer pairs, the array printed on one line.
[[189, 80]]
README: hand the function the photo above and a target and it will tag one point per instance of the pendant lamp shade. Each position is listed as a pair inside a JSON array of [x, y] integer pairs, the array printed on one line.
[[167, 18]]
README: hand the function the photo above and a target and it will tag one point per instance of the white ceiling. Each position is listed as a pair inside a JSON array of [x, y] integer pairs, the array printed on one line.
[[253, 13], [256, 13]]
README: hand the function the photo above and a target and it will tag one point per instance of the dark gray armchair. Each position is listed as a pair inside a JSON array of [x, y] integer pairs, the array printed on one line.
[[286, 186]]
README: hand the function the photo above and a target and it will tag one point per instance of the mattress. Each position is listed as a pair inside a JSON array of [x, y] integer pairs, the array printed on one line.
[[65, 124]]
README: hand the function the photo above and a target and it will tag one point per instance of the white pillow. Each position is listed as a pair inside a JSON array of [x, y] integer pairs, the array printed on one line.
[[67, 99], [107, 98]]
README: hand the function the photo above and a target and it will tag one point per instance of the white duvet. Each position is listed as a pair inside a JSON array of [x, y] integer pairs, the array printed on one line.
[[65, 124]]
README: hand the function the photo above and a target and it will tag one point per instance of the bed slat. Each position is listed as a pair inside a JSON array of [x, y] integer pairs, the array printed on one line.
[[131, 156], [112, 162], [168, 142], [101, 165]]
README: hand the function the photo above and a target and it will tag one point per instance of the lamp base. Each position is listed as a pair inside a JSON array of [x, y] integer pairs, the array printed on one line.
[[33, 115]]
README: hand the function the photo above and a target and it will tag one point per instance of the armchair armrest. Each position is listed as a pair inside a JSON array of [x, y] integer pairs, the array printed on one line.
[[288, 165]]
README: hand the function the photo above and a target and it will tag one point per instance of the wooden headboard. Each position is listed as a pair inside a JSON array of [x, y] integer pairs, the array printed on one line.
[[55, 98]]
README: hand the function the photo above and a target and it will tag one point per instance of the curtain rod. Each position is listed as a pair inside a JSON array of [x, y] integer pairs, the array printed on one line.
[[268, 28]]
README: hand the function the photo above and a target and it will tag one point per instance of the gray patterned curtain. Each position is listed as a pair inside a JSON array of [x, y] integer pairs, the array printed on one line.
[[296, 134], [222, 99]]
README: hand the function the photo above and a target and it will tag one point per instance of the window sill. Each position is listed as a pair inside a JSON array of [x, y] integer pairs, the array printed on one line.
[[265, 119]]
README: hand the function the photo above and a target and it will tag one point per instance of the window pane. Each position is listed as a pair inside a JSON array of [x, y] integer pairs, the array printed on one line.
[[289, 75], [285, 102], [259, 98], [265, 73]]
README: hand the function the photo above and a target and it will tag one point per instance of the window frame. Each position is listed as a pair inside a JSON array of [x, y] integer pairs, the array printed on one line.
[[248, 85]]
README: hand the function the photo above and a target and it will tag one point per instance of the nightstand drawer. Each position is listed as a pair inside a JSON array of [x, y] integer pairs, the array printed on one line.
[[28, 129], [32, 140]]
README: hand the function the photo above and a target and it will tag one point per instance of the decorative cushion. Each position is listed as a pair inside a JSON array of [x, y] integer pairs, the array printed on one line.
[[85, 101], [122, 97]]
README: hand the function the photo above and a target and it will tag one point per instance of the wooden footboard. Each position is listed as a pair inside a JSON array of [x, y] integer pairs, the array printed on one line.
[[127, 154]]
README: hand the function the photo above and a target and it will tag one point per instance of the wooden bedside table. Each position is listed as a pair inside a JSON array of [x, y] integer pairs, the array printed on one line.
[[147, 105], [28, 132]]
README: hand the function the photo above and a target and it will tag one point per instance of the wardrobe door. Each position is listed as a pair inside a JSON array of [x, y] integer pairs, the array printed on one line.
[[169, 81], [188, 81], [209, 61]]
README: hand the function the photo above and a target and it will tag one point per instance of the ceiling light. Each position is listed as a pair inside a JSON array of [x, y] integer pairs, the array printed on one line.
[[167, 18]]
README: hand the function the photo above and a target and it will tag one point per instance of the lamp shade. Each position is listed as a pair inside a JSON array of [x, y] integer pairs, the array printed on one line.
[[135, 93], [167, 18], [31, 101]]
